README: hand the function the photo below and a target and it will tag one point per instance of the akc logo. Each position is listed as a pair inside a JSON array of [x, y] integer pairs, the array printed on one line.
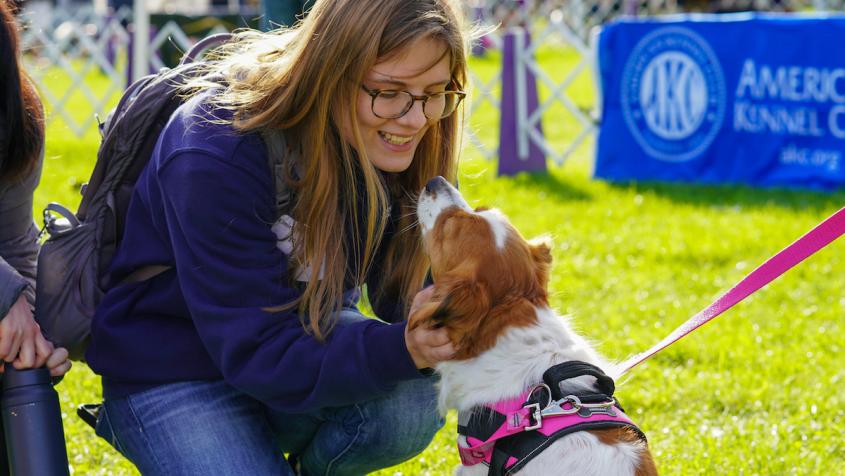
[[673, 94]]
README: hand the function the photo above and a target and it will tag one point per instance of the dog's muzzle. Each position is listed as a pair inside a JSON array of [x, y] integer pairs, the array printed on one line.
[[437, 195]]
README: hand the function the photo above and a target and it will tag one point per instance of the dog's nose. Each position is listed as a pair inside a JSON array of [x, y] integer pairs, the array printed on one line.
[[434, 184]]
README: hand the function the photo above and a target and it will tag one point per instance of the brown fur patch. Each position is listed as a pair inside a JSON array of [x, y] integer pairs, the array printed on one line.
[[614, 436]]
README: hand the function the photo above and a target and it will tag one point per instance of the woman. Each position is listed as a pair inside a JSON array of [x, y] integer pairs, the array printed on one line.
[[248, 343], [21, 155]]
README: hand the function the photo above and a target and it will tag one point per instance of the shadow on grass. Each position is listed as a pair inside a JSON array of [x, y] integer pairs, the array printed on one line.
[[739, 195], [551, 185]]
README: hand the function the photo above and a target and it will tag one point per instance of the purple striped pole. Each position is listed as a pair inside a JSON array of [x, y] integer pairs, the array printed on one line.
[[130, 55], [517, 152]]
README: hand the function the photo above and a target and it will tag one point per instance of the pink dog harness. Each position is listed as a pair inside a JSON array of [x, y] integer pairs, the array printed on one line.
[[507, 434]]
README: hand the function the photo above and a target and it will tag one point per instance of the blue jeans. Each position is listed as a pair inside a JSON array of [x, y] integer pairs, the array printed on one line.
[[210, 428]]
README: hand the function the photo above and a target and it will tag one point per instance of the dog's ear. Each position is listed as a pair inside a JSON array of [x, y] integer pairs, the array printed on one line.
[[541, 249], [511, 312], [541, 253], [453, 302]]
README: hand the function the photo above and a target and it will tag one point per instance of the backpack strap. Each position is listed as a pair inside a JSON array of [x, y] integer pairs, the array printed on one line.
[[556, 375], [280, 155], [277, 152]]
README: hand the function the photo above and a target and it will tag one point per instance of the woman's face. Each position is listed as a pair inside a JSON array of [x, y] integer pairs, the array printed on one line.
[[421, 68]]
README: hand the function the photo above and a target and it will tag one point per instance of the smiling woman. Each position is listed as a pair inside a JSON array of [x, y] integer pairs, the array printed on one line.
[[261, 349], [389, 125]]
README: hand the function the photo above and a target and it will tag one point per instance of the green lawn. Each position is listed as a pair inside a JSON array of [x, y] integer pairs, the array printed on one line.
[[753, 393]]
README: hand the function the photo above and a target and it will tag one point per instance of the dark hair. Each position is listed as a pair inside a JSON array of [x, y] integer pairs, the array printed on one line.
[[21, 115]]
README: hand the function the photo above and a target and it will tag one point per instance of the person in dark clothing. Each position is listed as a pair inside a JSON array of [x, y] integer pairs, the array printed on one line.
[[248, 343], [21, 156]]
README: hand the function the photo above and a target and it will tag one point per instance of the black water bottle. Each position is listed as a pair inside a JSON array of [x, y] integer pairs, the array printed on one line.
[[32, 423]]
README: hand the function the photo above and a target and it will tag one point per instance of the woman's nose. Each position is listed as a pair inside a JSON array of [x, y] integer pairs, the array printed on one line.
[[415, 117]]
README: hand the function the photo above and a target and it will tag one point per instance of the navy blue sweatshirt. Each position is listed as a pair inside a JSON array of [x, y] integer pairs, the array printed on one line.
[[204, 205]]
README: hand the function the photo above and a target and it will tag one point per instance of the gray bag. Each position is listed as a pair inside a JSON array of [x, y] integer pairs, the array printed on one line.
[[74, 261]]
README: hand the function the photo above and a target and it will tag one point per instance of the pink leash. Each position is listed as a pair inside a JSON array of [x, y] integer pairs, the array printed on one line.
[[816, 239]]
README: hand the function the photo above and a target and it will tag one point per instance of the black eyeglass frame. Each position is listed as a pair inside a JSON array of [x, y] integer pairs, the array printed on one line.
[[374, 93]]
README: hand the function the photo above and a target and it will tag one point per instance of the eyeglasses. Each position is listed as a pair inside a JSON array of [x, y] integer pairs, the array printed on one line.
[[393, 104]]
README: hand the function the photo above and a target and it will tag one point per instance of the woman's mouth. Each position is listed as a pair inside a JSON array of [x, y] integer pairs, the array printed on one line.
[[394, 139]]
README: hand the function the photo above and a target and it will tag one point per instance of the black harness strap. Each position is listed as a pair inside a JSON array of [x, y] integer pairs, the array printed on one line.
[[517, 446], [524, 446], [483, 422], [554, 376]]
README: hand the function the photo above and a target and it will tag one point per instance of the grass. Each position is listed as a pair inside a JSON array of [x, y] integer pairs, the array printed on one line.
[[753, 393]]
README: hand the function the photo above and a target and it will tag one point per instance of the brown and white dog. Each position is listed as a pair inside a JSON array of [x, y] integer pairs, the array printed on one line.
[[491, 295]]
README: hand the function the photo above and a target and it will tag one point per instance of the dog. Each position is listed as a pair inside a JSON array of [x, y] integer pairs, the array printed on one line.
[[532, 395]]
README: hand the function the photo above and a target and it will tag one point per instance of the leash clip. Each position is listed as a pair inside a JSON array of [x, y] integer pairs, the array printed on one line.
[[557, 408], [575, 405]]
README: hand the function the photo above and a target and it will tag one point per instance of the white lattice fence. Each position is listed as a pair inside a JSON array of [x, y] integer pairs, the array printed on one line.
[[81, 58], [78, 60], [556, 55], [558, 32]]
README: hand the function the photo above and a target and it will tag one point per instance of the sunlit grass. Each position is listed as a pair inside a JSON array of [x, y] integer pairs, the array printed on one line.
[[754, 392]]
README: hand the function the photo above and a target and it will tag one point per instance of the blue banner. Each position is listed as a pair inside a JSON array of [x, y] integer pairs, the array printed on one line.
[[743, 98]]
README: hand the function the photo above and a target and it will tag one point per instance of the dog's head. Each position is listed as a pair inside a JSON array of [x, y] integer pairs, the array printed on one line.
[[487, 277]]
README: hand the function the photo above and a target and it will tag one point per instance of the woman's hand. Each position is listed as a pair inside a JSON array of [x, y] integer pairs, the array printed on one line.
[[22, 344], [426, 345], [20, 336], [57, 362]]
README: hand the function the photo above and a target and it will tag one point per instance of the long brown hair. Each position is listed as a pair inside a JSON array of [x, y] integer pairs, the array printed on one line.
[[303, 81], [21, 116]]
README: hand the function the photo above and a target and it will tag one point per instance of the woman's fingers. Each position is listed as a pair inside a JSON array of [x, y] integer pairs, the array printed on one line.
[[428, 346], [442, 352], [60, 369], [26, 355], [43, 350], [34, 352], [10, 343], [434, 337], [421, 298], [58, 362]]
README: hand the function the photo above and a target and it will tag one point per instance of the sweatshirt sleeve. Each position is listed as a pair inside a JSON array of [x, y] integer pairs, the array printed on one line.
[[219, 212], [12, 285], [18, 240]]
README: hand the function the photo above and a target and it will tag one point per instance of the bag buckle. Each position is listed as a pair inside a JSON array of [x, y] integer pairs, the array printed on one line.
[[57, 220]]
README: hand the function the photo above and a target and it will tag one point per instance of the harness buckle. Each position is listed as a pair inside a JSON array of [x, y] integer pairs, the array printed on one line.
[[536, 414]]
